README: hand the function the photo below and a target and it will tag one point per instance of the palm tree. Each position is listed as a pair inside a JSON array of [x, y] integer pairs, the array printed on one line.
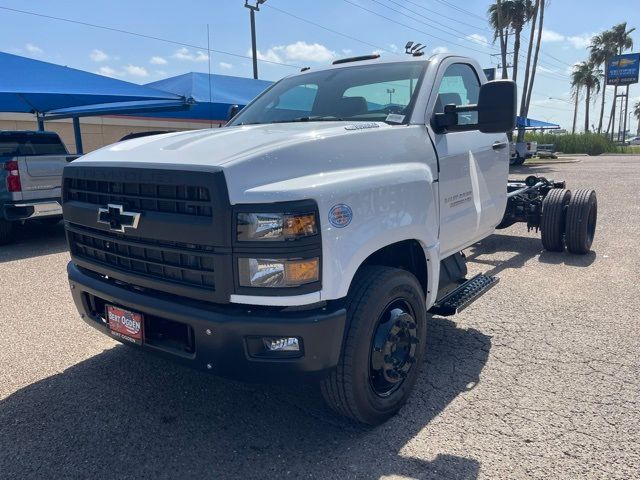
[[505, 14], [524, 109], [602, 49], [584, 75], [499, 21], [520, 12], [636, 113], [621, 38], [576, 87]]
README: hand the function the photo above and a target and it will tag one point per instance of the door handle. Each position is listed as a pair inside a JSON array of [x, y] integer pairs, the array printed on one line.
[[499, 145]]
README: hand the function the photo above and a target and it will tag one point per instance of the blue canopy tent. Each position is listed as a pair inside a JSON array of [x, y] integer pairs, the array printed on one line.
[[531, 124], [52, 91], [212, 94]]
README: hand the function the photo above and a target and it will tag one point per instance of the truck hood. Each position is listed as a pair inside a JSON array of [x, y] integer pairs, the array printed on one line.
[[273, 162], [220, 146]]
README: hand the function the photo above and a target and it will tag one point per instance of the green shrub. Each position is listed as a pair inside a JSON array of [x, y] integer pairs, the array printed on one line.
[[589, 143]]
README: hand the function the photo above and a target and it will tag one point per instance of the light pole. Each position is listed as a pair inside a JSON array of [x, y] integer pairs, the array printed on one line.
[[252, 14], [390, 91]]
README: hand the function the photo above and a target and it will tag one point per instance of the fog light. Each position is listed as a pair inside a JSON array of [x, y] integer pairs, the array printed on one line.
[[284, 344]]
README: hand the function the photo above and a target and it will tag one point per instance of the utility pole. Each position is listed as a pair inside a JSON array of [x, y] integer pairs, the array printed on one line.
[[252, 13], [390, 91]]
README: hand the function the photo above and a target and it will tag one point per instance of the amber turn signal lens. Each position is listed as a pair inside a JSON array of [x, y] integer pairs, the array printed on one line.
[[300, 225], [299, 272]]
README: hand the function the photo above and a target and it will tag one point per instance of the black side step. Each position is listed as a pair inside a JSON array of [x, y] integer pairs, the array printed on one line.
[[464, 295]]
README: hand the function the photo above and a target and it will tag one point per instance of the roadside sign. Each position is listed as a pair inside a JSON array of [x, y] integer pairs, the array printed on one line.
[[623, 69], [490, 73]]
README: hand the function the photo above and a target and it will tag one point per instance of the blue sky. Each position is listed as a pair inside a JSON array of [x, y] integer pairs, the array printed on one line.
[[444, 25]]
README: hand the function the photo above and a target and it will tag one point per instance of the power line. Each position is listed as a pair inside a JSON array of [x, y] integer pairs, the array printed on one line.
[[328, 29], [141, 35], [412, 28], [448, 18], [462, 10]]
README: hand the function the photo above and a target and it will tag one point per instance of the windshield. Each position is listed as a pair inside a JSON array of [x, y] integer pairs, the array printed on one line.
[[371, 93]]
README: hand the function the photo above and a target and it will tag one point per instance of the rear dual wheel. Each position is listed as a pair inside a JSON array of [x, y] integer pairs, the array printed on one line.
[[384, 347], [569, 218]]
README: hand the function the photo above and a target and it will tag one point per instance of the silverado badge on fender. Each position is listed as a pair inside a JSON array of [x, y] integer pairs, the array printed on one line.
[[117, 219]]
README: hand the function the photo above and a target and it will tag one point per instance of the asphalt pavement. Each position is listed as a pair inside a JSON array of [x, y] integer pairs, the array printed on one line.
[[537, 379]]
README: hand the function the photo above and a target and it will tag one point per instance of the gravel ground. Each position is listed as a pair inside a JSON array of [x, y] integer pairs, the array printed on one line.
[[538, 379]]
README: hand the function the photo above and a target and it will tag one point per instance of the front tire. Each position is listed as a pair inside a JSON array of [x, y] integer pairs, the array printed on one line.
[[384, 346]]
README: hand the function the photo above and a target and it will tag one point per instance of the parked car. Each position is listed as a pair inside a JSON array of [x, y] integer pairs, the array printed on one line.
[[314, 235], [31, 166], [634, 141]]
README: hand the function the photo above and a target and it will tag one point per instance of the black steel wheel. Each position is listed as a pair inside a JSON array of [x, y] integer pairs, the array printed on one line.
[[552, 223], [384, 346], [393, 348], [582, 216]]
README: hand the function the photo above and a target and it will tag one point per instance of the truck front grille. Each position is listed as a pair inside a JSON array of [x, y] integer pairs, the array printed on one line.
[[187, 265], [150, 197]]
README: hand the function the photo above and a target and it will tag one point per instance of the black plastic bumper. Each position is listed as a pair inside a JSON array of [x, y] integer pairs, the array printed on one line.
[[222, 339]]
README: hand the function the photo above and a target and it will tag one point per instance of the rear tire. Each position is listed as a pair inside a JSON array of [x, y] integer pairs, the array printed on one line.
[[6, 232], [582, 216], [552, 223], [384, 347]]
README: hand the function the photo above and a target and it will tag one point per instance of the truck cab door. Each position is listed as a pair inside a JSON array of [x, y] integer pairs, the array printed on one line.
[[473, 166]]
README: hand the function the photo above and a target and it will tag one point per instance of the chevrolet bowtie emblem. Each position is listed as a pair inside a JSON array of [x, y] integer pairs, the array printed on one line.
[[117, 218]]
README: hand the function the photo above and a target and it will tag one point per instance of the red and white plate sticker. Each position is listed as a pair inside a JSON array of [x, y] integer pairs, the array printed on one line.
[[124, 324]]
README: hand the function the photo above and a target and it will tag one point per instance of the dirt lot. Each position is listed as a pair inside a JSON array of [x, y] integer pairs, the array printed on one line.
[[538, 379]]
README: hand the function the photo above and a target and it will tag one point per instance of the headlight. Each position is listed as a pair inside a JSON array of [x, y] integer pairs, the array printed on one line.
[[278, 273], [275, 226]]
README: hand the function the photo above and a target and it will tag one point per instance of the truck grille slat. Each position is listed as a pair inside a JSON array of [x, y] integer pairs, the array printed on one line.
[[178, 199], [167, 266], [181, 244]]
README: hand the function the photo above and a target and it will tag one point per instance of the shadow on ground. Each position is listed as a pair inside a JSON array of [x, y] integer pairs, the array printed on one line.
[[123, 414], [33, 240], [524, 248]]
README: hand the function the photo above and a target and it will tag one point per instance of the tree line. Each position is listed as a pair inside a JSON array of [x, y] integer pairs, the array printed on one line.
[[508, 18]]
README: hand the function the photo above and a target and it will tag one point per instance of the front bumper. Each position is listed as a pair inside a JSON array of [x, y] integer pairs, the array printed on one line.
[[221, 338], [28, 210]]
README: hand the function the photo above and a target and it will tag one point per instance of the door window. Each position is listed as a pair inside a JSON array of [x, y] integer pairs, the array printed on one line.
[[460, 86]]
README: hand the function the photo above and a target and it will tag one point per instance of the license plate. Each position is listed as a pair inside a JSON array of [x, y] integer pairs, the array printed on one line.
[[125, 325]]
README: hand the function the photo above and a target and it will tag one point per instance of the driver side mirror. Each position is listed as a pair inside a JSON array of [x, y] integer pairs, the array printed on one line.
[[495, 111]]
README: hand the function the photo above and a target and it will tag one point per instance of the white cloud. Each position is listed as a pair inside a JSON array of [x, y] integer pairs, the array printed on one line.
[[136, 71], [158, 60], [393, 47], [545, 69], [298, 51], [270, 55], [33, 49], [312, 52], [580, 41], [98, 55], [347, 51], [477, 38], [225, 65], [107, 71], [127, 71], [440, 50], [186, 54], [551, 36]]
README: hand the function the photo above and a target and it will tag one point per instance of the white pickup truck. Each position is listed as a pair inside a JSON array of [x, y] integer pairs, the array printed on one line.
[[31, 166], [314, 235]]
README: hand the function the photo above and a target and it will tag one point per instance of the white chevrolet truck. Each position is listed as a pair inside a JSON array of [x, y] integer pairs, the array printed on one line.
[[314, 235]]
